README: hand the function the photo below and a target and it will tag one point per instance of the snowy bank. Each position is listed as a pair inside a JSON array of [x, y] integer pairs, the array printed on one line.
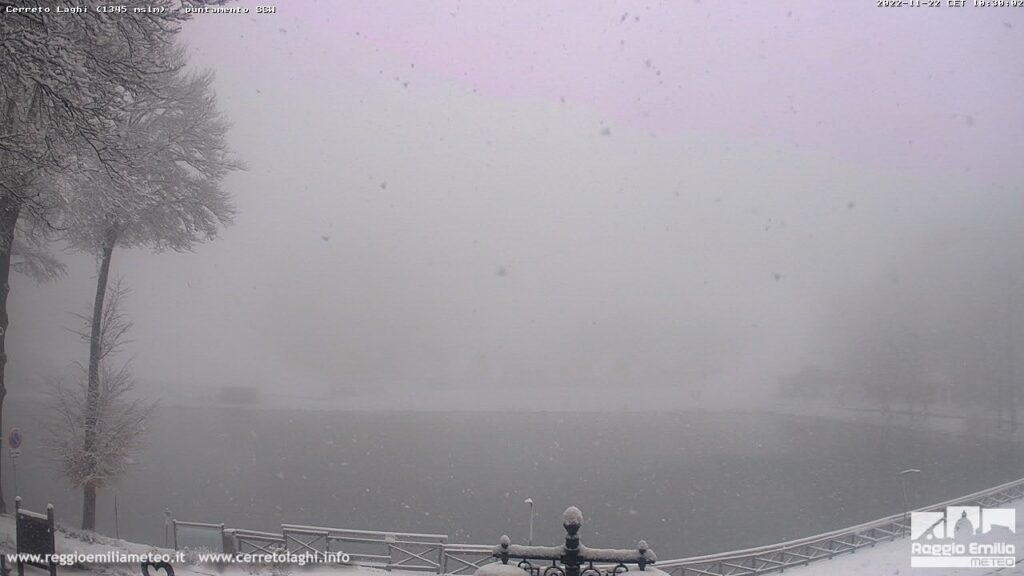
[[893, 558], [887, 558], [70, 541]]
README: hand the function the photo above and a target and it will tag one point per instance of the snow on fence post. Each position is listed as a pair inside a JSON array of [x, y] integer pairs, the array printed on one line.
[[572, 520], [642, 548], [228, 542], [35, 534], [572, 554]]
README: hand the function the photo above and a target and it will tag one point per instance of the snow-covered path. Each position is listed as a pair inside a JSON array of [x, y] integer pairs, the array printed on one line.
[[886, 559], [71, 541], [893, 558]]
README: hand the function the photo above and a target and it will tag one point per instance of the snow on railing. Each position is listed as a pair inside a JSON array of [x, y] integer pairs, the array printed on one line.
[[195, 535], [573, 558], [433, 552], [237, 540], [777, 557], [465, 558], [404, 550], [35, 535]]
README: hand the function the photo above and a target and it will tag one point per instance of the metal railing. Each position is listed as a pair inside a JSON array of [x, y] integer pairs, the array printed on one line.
[[197, 535], [465, 558], [775, 558], [388, 550], [433, 552], [573, 558], [238, 541]]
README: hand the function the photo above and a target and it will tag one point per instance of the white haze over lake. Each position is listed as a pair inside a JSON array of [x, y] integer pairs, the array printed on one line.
[[484, 198]]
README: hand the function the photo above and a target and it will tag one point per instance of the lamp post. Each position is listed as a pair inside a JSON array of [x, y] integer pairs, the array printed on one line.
[[903, 486], [530, 502], [167, 528]]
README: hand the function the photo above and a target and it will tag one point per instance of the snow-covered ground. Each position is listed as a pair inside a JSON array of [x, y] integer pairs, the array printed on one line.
[[893, 558], [886, 559], [73, 541]]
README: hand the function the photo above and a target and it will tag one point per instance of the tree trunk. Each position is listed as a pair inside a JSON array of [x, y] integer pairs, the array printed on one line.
[[89, 507], [10, 209], [92, 395]]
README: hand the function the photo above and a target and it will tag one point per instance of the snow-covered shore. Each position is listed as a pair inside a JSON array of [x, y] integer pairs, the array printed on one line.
[[70, 541], [885, 559], [893, 558]]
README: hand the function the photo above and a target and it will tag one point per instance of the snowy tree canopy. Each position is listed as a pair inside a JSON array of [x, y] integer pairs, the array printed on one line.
[[65, 80], [70, 85], [169, 193]]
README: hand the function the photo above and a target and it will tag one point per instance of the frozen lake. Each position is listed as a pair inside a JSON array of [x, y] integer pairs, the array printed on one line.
[[688, 483]]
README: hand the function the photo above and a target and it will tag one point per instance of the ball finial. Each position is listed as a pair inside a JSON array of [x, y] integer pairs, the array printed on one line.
[[572, 517]]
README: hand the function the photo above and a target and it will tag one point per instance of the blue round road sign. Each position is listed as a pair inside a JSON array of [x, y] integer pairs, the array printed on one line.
[[14, 439]]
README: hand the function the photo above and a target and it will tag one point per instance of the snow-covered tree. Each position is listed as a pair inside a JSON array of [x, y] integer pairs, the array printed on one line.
[[168, 195], [65, 82], [96, 434]]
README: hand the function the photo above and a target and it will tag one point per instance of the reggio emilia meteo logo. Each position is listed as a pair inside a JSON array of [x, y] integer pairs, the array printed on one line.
[[963, 537]]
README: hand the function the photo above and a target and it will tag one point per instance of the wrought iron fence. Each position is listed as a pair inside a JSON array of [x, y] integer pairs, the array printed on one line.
[[573, 558]]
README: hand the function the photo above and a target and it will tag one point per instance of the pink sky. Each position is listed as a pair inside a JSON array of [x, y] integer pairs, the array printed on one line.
[[919, 88], [436, 177]]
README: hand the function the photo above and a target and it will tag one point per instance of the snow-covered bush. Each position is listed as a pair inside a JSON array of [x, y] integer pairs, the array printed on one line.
[[111, 416]]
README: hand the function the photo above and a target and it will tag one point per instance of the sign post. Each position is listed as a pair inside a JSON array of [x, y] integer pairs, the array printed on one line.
[[14, 440]]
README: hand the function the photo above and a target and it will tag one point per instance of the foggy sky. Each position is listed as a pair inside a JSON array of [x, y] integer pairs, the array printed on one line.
[[537, 196]]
